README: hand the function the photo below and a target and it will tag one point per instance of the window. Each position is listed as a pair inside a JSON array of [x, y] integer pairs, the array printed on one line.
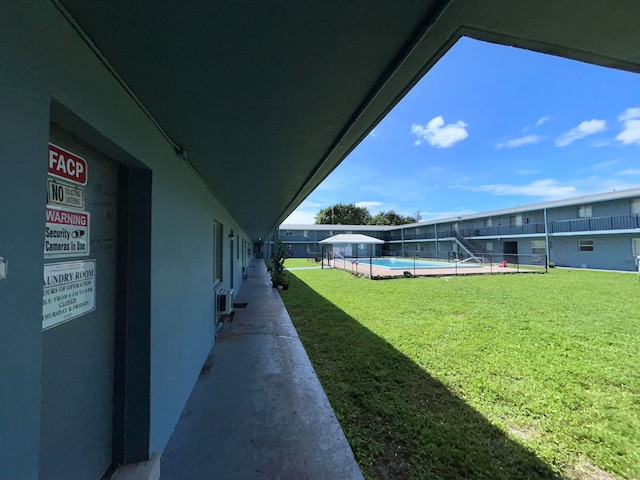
[[217, 252], [489, 247], [635, 207], [515, 220], [585, 245], [306, 233], [487, 222], [538, 247], [584, 211], [635, 246]]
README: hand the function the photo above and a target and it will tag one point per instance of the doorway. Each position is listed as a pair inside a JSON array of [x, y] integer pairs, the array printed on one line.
[[79, 309], [231, 258], [96, 305], [510, 250]]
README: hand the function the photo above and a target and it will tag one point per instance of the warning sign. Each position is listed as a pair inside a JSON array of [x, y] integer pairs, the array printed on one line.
[[66, 233], [65, 195], [67, 165], [69, 291]]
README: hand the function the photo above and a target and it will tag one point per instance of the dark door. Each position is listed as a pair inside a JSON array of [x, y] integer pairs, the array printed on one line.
[[231, 262], [78, 316], [511, 252]]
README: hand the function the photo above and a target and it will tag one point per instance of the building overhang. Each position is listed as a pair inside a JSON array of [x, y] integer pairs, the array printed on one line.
[[265, 99]]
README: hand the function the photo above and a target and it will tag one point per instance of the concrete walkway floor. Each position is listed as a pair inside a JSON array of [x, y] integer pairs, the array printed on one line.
[[258, 410]]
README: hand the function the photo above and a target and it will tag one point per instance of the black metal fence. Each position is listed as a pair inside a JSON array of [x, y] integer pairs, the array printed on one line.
[[426, 264]]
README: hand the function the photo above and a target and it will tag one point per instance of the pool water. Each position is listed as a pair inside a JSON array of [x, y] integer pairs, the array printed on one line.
[[403, 263]]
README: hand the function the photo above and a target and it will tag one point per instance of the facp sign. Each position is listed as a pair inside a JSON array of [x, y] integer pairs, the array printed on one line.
[[67, 165]]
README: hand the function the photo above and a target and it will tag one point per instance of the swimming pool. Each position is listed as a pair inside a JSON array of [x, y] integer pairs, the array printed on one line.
[[409, 263]]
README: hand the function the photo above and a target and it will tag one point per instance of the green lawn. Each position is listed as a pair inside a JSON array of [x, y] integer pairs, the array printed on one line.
[[502, 376], [299, 262]]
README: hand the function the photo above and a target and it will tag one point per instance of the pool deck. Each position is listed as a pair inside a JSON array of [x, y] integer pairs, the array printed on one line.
[[363, 268]]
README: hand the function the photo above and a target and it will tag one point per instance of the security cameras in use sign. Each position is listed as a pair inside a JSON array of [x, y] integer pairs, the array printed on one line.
[[67, 165], [66, 233]]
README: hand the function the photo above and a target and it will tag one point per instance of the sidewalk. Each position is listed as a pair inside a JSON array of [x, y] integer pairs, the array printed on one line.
[[258, 410]]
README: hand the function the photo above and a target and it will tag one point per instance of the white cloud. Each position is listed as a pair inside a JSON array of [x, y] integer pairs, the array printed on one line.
[[630, 171], [424, 216], [373, 133], [629, 114], [540, 188], [605, 165], [631, 131], [439, 135], [586, 128], [300, 217], [598, 184], [368, 204], [308, 204], [518, 142], [602, 165], [542, 120]]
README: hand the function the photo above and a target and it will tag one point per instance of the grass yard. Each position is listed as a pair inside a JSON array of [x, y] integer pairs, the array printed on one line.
[[299, 263], [503, 376]]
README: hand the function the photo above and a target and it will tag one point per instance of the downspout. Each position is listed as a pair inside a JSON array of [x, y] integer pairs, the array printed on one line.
[[546, 237], [435, 231], [402, 238]]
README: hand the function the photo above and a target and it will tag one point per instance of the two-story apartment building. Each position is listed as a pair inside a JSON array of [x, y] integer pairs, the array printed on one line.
[[148, 146], [598, 231]]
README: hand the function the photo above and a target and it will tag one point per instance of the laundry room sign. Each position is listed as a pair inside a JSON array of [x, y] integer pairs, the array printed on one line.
[[69, 291]]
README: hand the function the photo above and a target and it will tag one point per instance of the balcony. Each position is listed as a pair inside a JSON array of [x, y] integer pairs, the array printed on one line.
[[296, 237], [619, 222], [525, 229], [419, 236]]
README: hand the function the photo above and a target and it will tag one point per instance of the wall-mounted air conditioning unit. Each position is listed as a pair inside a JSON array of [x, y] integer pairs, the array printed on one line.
[[224, 300]]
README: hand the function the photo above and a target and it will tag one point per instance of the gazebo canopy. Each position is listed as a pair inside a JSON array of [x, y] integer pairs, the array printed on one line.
[[351, 238]]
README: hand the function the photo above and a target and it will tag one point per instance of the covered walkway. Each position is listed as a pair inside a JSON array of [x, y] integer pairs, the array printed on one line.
[[258, 410]]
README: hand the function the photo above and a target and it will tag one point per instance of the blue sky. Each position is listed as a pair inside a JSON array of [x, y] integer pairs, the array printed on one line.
[[493, 127]]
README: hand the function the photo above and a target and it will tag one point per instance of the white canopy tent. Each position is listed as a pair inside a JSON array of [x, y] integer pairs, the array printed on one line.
[[348, 240]]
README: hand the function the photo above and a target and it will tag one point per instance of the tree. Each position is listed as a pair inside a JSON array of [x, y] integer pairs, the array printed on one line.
[[340, 214], [391, 218]]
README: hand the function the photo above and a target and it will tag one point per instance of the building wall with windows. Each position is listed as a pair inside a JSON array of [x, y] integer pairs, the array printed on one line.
[[599, 231], [614, 252]]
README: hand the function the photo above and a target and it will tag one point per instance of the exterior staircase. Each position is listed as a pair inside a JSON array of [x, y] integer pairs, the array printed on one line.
[[466, 245]]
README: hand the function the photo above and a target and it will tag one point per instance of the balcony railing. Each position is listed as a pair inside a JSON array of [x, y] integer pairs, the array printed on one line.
[[394, 236], [619, 222], [525, 229], [296, 238], [418, 236]]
